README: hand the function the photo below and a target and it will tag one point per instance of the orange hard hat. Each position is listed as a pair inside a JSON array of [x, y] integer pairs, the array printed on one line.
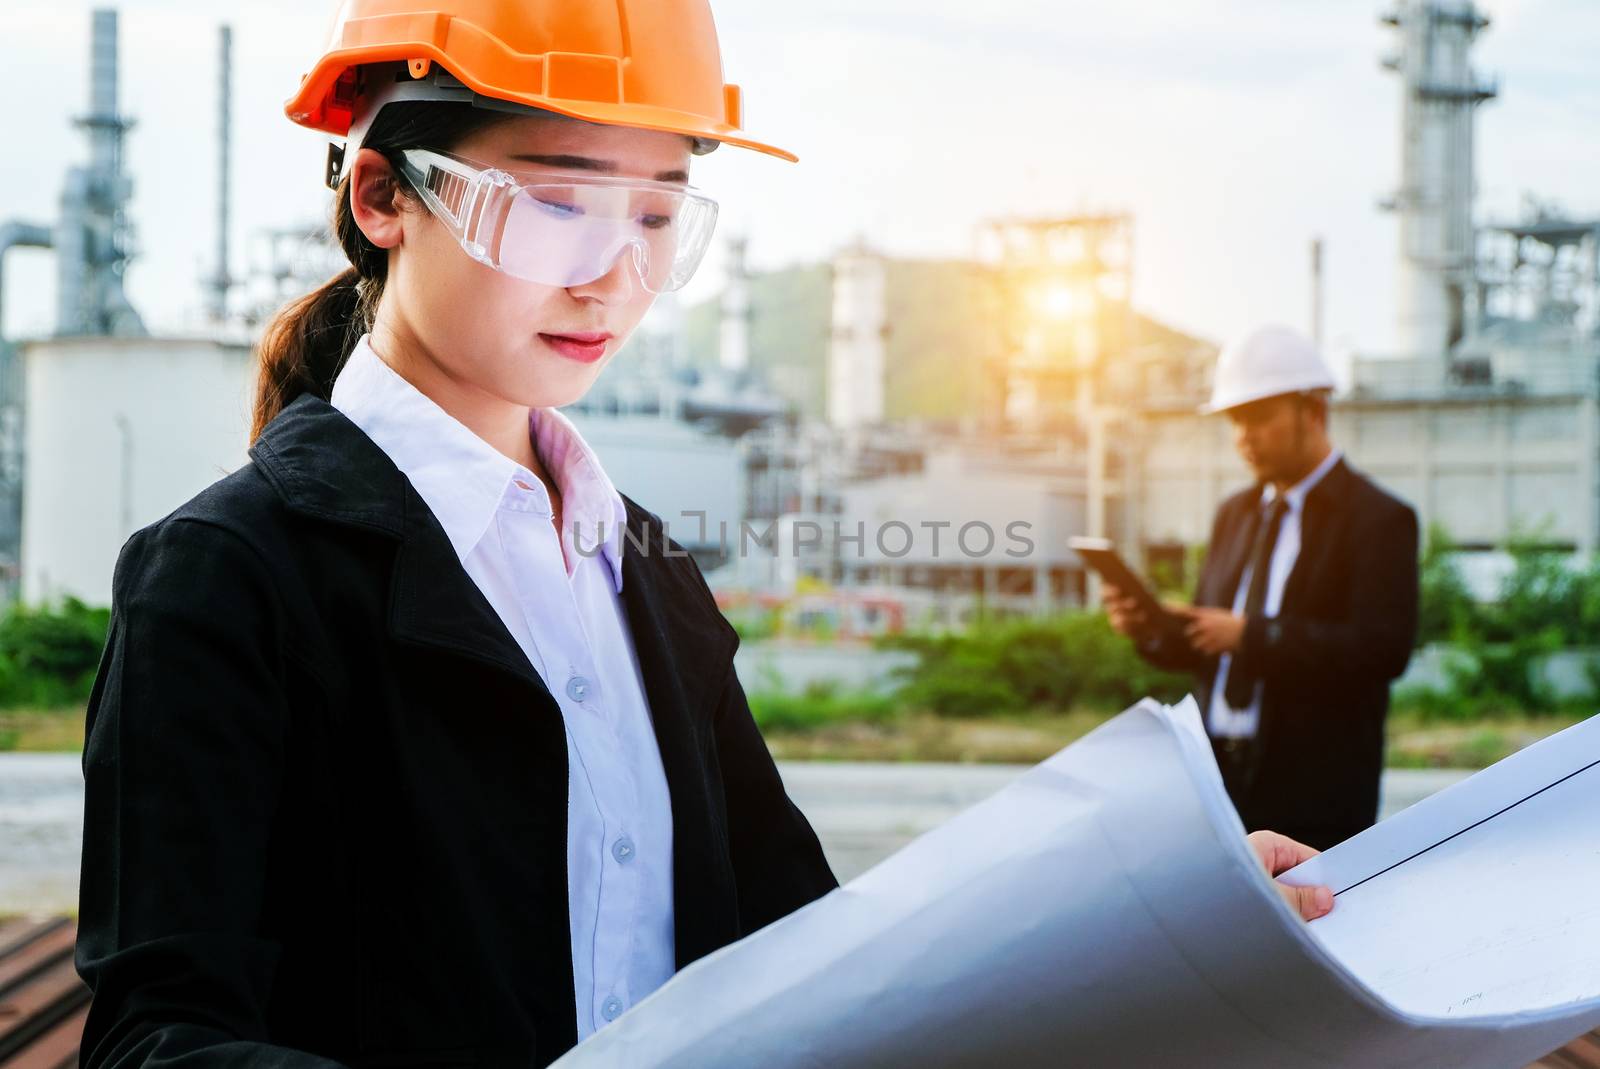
[[652, 64]]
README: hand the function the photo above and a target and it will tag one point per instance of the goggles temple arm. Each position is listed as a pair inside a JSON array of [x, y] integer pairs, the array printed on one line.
[[463, 197]]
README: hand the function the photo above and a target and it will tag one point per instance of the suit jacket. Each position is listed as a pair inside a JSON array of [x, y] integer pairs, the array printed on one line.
[[1345, 629], [326, 793]]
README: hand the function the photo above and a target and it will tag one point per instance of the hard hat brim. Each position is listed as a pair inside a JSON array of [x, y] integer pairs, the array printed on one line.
[[1217, 406], [306, 107]]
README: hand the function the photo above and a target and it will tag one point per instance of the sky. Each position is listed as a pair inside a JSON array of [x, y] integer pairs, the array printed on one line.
[[1234, 131]]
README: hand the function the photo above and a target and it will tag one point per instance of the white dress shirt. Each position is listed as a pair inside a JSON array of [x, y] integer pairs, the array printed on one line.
[[1223, 720], [566, 613]]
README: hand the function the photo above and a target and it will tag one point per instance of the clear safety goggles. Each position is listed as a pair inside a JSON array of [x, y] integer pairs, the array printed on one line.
[[565, 230]]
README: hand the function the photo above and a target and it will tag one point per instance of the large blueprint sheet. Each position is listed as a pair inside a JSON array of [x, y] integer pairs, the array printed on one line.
[[1485, 898], [1105, 910]]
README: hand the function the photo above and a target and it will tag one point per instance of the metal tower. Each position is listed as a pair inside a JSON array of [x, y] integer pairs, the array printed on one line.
[[1440, 94], [94, 238], [221, 281]]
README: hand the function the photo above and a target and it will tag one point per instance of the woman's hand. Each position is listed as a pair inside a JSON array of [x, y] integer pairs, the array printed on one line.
[[1279, 854]]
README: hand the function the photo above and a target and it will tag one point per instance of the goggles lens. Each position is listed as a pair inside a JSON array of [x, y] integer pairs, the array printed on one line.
[[566, 230]]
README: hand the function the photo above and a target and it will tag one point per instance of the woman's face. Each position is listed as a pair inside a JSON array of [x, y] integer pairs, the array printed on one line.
[[526, 343]]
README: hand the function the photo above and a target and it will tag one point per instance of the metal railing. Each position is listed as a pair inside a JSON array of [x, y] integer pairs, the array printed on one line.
[[1508, 373]]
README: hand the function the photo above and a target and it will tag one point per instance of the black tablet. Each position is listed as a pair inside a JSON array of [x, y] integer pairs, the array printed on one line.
[[1102, 556]]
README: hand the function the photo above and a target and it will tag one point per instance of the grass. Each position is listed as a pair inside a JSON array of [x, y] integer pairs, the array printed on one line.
[[821, 729], [1424, 742], [55, 730], [828, 724], [63, 911]]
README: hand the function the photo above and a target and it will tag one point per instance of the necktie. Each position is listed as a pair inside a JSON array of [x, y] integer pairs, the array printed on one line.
[[1241, 686]]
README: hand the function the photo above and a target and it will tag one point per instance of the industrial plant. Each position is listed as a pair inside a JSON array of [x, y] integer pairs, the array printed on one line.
[[1486, 420], [825, 437]]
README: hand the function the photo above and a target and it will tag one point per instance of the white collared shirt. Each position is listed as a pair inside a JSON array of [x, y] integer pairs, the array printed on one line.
[[566, 613], [1223, 720]]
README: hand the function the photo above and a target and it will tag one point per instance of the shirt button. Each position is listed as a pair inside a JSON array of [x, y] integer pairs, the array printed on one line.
[[611, 1009], [622, 850], [577, 688]]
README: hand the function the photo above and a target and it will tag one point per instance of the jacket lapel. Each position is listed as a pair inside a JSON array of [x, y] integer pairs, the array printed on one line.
[[326, 467], [1320, 521], [434, 602], [1235, 552], [675, 625]]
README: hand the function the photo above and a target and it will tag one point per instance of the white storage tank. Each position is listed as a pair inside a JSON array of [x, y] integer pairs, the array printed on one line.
[[120, 432]]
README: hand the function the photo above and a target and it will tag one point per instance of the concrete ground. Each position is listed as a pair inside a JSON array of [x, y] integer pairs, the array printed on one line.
[[863, 813]]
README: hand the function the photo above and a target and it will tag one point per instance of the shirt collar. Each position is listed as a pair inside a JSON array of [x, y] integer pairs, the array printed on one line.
[[461, 477], [592, 509], [1296, 494]]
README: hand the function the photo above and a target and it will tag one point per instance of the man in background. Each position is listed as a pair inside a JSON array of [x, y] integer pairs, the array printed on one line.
[[1306, 608]]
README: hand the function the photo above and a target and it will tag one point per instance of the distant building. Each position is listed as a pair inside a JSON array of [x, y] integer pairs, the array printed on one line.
[[896, 471], [1485, 465], [863, 339]]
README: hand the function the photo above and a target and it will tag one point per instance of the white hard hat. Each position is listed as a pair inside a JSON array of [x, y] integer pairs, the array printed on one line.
[[1268, 362]]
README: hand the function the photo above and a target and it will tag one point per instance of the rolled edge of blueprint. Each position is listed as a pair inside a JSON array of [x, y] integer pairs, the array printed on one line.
[[1104, 909]]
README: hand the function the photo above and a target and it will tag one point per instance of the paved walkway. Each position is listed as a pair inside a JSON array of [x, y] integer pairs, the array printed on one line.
[[863, 812]]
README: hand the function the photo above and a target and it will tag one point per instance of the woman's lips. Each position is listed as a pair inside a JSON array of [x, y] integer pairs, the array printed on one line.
[[584, 348]]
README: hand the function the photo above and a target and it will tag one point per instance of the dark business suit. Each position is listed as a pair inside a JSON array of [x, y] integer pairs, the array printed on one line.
[[326, 793], [1345, 630]]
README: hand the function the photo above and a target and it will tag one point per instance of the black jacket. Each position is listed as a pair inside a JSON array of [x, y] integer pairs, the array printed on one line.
[[326, 793], [1345, 629]]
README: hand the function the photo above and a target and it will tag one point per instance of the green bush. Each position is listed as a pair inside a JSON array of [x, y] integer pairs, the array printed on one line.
[[1057, 663], [1504, 673], [1546, 603], [1446, 609], [49, 653], [753, 625], [818, 705]]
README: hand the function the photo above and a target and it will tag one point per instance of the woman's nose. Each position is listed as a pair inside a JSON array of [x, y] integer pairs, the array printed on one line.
[[616, 286]]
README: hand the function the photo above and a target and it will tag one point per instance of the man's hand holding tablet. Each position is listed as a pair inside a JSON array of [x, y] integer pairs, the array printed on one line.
[[1132, 607]]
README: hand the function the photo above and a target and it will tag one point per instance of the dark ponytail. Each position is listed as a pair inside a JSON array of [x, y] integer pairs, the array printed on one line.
[[303, 348]]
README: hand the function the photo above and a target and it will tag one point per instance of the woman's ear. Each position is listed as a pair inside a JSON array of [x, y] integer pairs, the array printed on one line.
[[374, 199]]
